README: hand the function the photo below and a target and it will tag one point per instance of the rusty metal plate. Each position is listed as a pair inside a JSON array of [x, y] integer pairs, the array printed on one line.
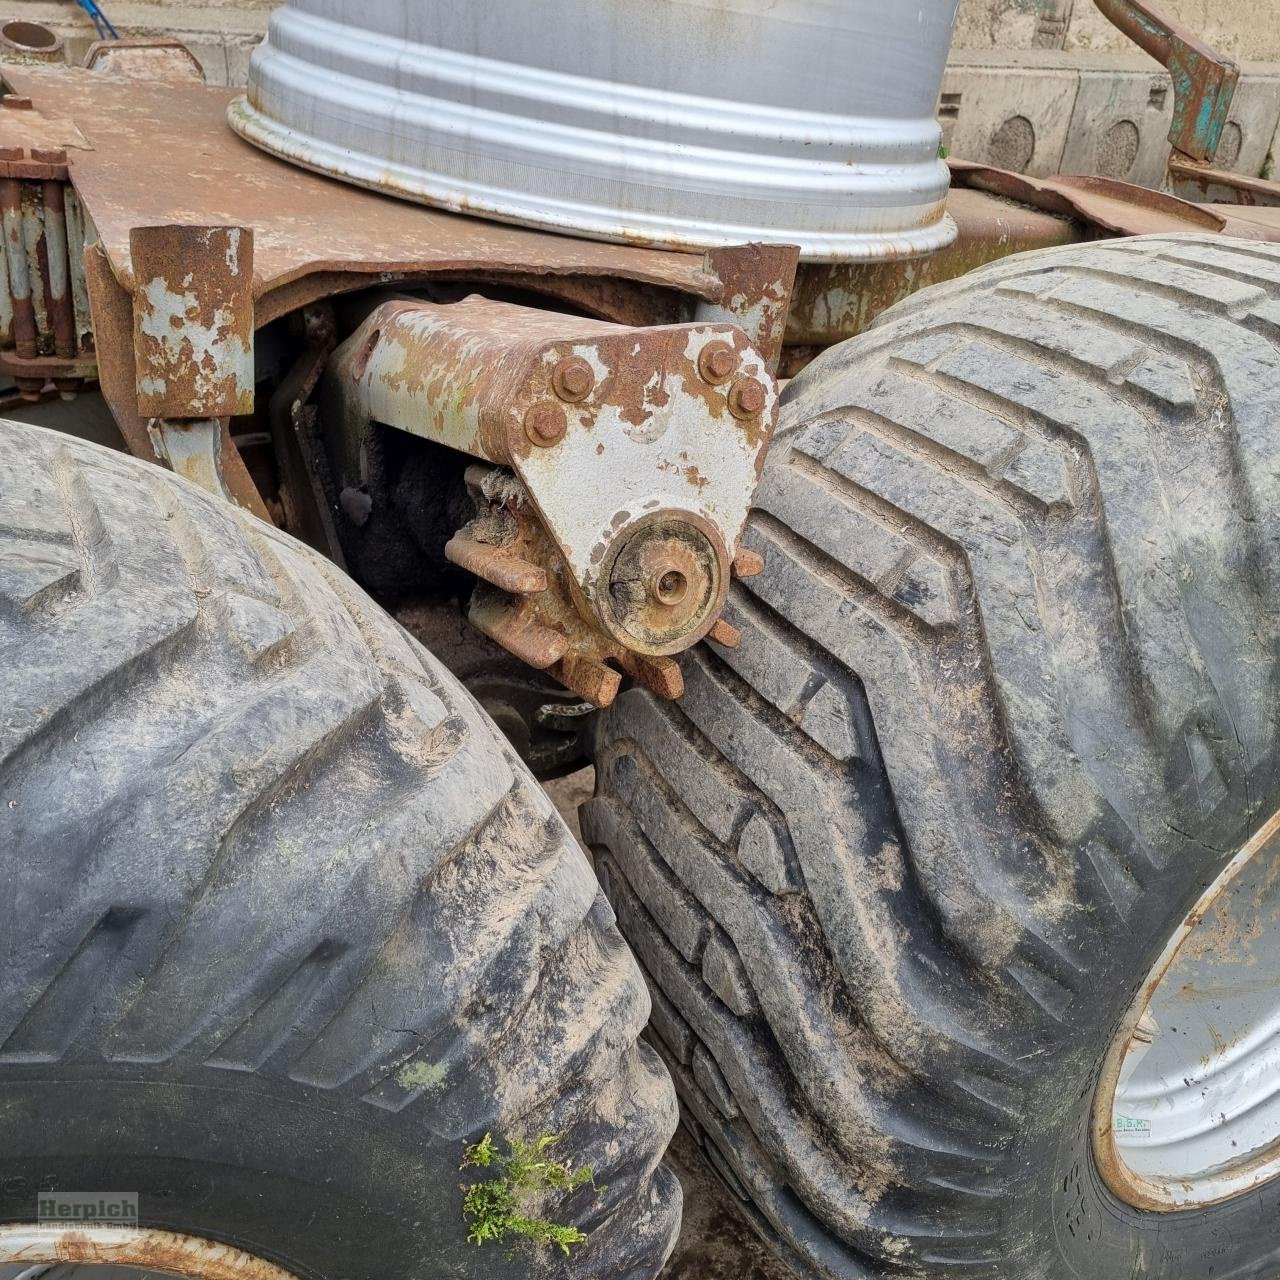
[[1204, 82], [163, 154], [193, 320], [834, 301], [611, 429], [1219, 186], [1116, 208], [24, 126], [145, 58]]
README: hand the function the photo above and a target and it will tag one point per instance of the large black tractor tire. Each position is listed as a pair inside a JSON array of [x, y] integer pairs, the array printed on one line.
[[1005, 703], [285, 925]]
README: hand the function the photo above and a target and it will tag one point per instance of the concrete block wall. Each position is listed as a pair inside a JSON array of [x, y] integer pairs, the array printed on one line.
[[1046, 111], [1247, 30]]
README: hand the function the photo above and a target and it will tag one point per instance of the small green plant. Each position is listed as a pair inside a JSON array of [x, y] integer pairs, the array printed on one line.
[[497, 1207]]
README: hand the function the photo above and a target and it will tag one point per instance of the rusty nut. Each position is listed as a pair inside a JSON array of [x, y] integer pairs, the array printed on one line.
[[573, 379], [668, 585], [746, 398], [717, 363], [545, 423]]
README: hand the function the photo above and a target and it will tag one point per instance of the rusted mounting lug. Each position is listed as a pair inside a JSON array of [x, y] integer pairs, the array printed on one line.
[[1204, 82], [758, 280], [631, 458], [193, 320]]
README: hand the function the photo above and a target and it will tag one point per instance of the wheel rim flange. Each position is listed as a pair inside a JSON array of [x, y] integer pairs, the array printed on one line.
[[1187, 1109], [144, 1248]]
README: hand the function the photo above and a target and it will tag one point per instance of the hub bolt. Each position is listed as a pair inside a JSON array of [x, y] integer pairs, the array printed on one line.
[[717, 362], [545, 423], [573, 379], [746, 398], [668, 586]]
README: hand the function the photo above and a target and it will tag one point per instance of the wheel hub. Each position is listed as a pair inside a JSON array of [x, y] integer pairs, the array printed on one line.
[[1188, 1109]]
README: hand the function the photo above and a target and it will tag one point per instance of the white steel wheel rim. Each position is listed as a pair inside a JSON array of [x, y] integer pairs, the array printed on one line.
[[132, 1248], [1187, 1111]]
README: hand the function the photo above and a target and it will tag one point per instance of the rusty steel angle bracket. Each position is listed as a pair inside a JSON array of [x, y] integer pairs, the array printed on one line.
[[193, 320], [1204, 82], [638, 450]]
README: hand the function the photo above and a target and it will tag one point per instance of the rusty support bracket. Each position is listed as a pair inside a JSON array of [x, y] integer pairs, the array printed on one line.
[[112, 312], [1204, 82], [757, 281], [193, 320], [624, 464]]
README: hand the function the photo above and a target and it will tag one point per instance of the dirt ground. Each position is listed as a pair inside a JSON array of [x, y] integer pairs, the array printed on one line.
[[717, 1241]]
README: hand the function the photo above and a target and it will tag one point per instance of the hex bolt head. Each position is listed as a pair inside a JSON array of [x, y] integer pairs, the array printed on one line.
[[545, 423], [573, 378], [717, 362], [746, 398]]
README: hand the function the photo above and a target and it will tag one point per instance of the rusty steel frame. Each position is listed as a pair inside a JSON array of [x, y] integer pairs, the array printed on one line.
[[230, 239]]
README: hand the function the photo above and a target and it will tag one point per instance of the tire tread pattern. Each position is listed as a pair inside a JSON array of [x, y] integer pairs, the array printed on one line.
[[1033, 502]]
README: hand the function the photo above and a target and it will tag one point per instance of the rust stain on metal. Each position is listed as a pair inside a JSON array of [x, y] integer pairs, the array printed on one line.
[[635, 473], [193, 320], [25, 126], [834, 301], [545, 424], [1105, 203], [516, 628], [755, 294], [39, 339], [1202, 182], [998, 213], [725, 634], [573, 379], [589, 679], [556, 628], [30, 42], [112, 311], [747, 398], [717, 363]]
